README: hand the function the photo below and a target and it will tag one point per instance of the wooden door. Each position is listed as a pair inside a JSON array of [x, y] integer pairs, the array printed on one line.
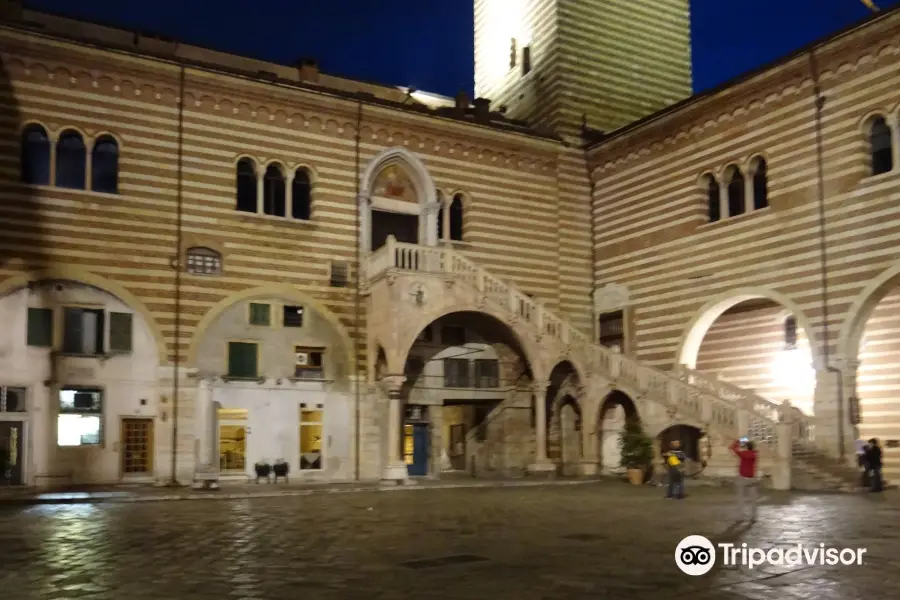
[[137, 446]]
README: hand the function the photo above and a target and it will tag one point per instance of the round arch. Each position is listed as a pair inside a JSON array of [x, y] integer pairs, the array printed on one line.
[[397, 359], [275, 289], [576, 366], [426, 193], [73, 273], [693, 334], [864, 304]]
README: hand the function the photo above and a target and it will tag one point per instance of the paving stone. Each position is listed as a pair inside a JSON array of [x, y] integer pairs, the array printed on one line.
[[565, 543]]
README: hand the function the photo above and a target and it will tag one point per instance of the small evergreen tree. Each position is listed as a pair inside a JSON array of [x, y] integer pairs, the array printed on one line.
[[636, 449]]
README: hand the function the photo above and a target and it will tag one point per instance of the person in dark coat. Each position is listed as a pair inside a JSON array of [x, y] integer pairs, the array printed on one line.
[[675, 459], [873, 462]]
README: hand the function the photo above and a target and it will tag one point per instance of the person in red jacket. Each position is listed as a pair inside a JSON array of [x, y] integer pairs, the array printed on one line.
[[745, 484]]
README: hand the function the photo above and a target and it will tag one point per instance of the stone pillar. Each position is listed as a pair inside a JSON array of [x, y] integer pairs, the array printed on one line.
[[394, 468], [590, 460], [781, 462], [541, 463], [205, 425], [832, 388]]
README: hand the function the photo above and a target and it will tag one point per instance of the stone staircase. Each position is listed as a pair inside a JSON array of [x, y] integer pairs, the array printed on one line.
[[687, 398], [811, 469]]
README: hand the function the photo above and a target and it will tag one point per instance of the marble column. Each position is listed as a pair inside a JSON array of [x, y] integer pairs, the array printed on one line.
[[541, 464], [206, 423], [394, 468], [590, 460]]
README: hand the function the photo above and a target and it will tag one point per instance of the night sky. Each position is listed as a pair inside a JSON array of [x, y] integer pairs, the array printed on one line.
[[428, 43]]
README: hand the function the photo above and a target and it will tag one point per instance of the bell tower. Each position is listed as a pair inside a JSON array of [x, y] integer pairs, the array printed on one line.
[[557, 62]]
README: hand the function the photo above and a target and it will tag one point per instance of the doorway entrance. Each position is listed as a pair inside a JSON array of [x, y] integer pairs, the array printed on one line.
[[232, 440], [11, 435], [404, 227], [137, 446], [416, 440]]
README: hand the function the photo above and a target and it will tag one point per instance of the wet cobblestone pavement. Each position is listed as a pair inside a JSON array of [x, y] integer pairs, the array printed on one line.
[[604, 540]]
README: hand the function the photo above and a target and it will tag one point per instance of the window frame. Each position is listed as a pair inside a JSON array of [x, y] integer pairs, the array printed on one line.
[[229, 375], [102, 338], [303, 407], [302, 311], [203, 252], [307, 196], [270, 320], [449, 379], [622, 337], [321, 369], [49, 148], [493, 381], [876, 154], [53, 329], [71, 133], [254, 173], [4, 396], [105, 138], [275, 186], [100, 414]]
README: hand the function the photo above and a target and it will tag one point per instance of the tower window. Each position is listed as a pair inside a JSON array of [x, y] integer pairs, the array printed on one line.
[[881, 147], [790, 333], [526, 60], [612, 330], [71, 161], [105, 165], [246, 186], [513, 53], [35, 156], [760, 184], [456, 218], [712, 199], [274, 191]]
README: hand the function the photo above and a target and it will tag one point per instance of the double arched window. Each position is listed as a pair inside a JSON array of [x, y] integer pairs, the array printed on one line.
[[741, 193], [273, 189], [65, 163]]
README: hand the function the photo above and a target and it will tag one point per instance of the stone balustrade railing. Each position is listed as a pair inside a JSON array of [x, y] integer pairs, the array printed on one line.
[[692, 397]]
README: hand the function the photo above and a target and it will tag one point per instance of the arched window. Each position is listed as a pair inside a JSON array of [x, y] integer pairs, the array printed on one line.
[[760, 183], [440, 215], [203, 261], [712, 199], [455, 217], [71, 160], [735, 179], [301, 192], [35, 155], [105, 165], [246, 186], [790, 333], [273, 191], [881, 147]]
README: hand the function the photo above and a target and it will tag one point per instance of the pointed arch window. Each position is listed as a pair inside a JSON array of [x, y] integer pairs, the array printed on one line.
[[790, 333], [301, 195], [735, 179], [440, 215], [71, 160], [712, 199], [882, 152], [35, 155], [105, 165], [274, 191], [455, 216], [760, 183], [246, 186]]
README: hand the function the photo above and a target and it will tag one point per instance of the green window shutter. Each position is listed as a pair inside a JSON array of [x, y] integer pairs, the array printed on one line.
[[120, 332], [260, 314], [40, 327], [242, 359]]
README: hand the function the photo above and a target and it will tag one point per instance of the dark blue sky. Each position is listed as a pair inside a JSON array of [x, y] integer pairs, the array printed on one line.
[[428, 43]]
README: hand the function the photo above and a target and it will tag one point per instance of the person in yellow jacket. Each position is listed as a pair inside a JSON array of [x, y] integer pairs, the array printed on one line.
[[675, 459]]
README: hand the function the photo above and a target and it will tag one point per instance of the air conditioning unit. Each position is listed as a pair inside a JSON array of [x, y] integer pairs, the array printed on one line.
[[302, 359]]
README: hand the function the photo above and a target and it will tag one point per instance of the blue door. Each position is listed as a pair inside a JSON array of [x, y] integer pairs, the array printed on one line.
[[416, 449]]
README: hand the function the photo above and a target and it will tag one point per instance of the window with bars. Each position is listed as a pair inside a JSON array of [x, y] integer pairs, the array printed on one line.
[[12, 399], [203, 261], [612, 330], [293, 316], [456, 373], [487, 373], [243, 360], [340, 274]]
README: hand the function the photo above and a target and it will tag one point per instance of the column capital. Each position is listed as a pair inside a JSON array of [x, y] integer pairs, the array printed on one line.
[[392, 384], [540, 387]]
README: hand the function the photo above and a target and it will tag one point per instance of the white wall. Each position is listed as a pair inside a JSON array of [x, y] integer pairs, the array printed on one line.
[[125, 379], [274, 419]]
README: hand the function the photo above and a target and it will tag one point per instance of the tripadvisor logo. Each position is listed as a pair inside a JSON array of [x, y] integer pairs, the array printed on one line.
[[696, 555]]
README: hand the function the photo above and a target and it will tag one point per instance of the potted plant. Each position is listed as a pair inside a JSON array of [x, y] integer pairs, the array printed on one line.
[[281, 469], [263, 469], [636, 450]]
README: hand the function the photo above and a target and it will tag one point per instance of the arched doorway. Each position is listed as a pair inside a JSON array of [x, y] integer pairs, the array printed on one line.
[[756, 343], [565, 433], [399, 200], [689, 438], [467, 401], [617, 409]]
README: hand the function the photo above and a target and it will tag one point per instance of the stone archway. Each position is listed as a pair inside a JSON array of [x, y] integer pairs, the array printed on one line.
[[424, 206], [688, 436], [615, 411], [566, 417]]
